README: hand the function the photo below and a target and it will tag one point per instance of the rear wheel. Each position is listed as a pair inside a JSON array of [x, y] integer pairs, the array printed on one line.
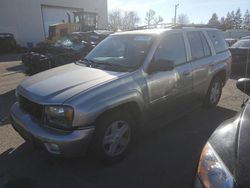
[[214, 93], [113, 136]]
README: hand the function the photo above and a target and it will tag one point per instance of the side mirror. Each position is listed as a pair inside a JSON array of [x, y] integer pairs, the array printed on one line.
[[243, 84], [161, 65]]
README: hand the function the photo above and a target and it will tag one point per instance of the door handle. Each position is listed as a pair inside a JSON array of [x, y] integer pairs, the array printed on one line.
[[186, 73]]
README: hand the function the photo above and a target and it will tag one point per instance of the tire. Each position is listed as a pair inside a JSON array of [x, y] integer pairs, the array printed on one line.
[[214, 93], [113, 136]]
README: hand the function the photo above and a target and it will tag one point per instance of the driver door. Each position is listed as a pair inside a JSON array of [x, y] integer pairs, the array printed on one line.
[[169, 89]]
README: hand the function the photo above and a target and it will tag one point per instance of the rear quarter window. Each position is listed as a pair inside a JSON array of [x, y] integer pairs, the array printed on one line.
[[218, 41]]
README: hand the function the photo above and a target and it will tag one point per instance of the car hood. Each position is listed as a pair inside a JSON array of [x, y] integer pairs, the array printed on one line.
[[57, 85], [232, 143], [243, 144]]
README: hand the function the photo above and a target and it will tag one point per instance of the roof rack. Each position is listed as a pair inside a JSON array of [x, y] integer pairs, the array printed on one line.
[[155, 26], [173, 26], [179, 26]]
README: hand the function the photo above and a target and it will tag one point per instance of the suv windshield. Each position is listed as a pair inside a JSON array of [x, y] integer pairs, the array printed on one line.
[[70, 42], [121, 51]]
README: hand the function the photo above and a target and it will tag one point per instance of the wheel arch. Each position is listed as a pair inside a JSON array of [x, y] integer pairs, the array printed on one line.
[[222, 75], [132, 107]]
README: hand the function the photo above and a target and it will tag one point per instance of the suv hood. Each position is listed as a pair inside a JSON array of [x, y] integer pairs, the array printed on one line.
[[59, 84]]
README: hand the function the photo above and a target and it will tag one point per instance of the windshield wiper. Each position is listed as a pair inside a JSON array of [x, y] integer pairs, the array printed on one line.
[[85, 61], [105, 63], [92, 63]]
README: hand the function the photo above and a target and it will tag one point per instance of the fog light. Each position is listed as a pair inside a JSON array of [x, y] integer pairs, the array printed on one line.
[[52, 148]]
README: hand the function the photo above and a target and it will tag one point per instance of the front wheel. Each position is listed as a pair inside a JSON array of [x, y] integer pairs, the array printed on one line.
[[214, 93], [113, 136]]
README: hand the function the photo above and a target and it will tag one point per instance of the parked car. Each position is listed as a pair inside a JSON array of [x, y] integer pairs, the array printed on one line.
[[230, 41], [246, 37], [224, 161], [130, 81], [7, 43], [241, 55], [67, 49]]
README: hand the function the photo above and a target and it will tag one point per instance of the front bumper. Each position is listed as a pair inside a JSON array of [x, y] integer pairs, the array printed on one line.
[[68, 143]]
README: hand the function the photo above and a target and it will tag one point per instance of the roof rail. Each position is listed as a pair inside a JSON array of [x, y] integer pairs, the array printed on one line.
[[172, 26], [179, 26], [154, 26]]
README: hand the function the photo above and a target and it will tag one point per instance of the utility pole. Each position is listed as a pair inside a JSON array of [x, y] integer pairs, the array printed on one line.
[[175, 12]]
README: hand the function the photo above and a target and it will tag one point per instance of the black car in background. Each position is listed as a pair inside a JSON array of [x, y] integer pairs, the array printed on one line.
[[246, 37], [7, 43], [230, 41], [67, 49], [240, 54], [225, 159]]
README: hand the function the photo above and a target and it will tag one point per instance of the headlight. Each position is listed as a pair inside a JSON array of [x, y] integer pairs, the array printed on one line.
[[212, 171], [59, 116]]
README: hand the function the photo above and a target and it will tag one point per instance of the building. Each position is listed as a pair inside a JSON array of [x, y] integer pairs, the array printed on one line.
[[29, 20]]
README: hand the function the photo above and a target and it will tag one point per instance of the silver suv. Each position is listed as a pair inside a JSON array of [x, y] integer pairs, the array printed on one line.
[[130, 80]]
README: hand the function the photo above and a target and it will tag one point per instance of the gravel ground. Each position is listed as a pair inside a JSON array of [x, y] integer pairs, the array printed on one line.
[[164, 158]]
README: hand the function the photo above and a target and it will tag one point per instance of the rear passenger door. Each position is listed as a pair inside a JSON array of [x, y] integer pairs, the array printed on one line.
[[200, 54]]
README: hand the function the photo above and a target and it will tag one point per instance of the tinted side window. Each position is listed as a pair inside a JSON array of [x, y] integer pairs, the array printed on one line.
[[218, 41], [195, 45], [206, 47], [172, 48]]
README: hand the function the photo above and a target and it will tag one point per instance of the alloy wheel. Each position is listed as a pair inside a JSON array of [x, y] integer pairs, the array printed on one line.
[[215, 92], [116, 138]]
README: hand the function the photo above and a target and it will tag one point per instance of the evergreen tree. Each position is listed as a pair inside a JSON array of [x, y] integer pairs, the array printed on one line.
[[238, 19], [229, 21], [246, 23], [214, 21], [232, 20], [223, 25]]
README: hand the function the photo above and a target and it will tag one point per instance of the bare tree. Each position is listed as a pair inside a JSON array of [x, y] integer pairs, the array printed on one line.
[[115, 20], [157, 20], [150, 15], [183, 19], [130, 20], [151, 18], [123, 20]]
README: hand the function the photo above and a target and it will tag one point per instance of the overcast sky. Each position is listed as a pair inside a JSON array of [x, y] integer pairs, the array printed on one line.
[[198, 11]]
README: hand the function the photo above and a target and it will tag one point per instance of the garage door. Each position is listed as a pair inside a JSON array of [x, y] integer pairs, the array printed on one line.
[[52, 15]]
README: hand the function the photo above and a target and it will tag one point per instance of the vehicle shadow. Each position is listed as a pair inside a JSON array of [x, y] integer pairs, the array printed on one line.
[[17, 68], [6, 101], [166, 157]]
